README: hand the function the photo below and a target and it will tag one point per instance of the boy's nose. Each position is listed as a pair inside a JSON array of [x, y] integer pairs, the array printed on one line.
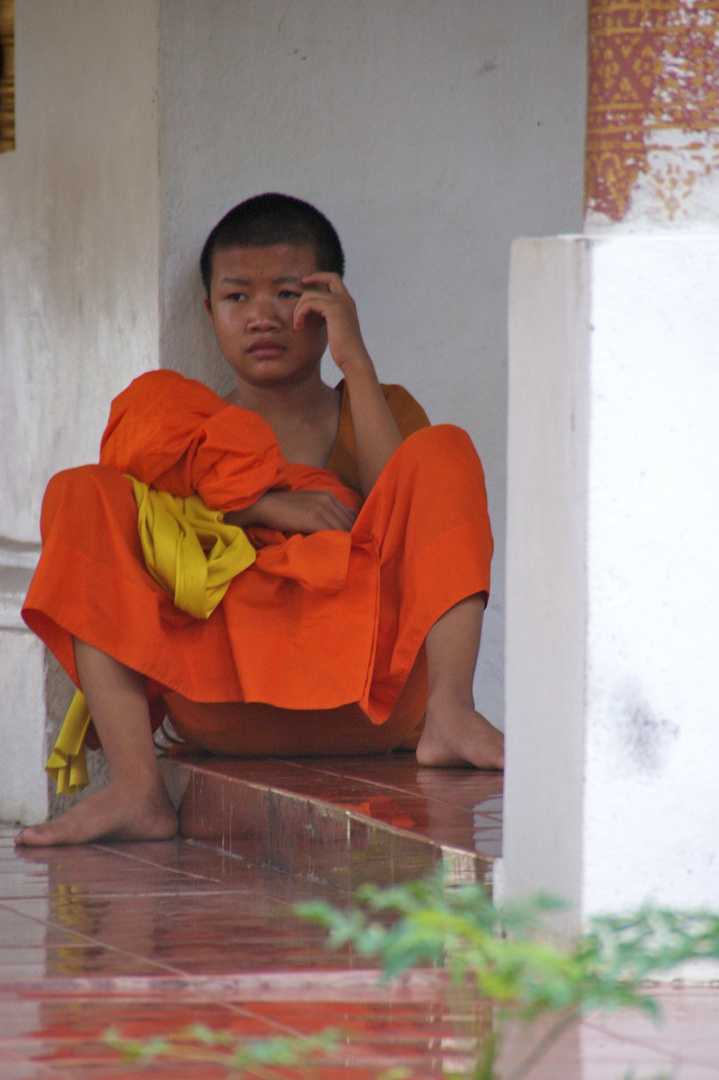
[[263, 315]]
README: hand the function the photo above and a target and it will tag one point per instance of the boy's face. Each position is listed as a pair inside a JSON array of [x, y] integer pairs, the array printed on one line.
[[253, 294]]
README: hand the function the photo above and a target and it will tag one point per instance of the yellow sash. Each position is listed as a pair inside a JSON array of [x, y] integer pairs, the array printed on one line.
[[188, 549], [67, 764], [193, 555]]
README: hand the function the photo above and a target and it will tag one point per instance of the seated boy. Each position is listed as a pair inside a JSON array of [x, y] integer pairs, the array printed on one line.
[[361, 615]]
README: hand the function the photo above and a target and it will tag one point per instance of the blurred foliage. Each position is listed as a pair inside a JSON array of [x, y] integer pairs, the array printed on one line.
[[502, 975], [505, 956], [260, 1058]]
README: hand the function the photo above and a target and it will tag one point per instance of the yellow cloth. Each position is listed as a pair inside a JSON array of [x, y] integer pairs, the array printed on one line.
[[193, 555], [66, 763], [188, 549]]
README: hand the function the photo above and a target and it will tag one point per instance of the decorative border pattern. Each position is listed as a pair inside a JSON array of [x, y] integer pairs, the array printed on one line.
[[653, 67], [7, 76]]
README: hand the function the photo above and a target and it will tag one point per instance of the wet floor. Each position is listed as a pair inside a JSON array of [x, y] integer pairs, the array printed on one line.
[[147, 939]]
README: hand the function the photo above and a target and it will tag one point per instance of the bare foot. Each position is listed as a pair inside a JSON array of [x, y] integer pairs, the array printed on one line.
[[456, 735], [113, 813]]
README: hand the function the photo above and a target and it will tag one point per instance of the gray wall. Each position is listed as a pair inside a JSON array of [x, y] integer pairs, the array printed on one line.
[[432, 134]]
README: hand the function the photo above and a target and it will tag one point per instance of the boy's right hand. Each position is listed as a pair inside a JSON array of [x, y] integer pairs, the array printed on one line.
[[295, 511]]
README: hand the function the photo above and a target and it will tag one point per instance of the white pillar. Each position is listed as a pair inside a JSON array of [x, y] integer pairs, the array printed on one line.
[[613, 491], [79, 306], [613, 582]]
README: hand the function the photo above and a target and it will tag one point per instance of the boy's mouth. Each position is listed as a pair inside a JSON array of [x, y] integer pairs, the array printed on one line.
[[266, 350]]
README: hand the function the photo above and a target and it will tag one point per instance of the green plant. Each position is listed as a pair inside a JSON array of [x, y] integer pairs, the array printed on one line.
[[501, 955], [259, 1058], [501, 970]]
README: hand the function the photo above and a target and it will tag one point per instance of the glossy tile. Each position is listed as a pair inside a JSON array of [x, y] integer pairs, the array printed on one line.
[[150, 938], [301, 820]]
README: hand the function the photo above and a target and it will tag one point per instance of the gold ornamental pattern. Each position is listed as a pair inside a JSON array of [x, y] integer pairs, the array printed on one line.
[[653, 86]]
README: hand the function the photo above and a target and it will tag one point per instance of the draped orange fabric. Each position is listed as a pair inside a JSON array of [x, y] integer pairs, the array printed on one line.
[[332, 623]]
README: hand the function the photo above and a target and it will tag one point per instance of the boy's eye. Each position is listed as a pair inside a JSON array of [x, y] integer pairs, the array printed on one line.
[[236, 296], [289, 294]]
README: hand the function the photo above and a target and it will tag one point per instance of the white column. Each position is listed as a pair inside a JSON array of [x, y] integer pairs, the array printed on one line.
[[79, 305], [613, 582], [613, 491]]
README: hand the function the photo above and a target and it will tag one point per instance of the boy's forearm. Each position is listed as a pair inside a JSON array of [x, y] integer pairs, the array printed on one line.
[[295, 511], [376, 433]]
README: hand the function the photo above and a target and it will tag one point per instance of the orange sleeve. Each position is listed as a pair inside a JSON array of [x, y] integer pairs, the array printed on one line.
[[409, 416], [179, 436]]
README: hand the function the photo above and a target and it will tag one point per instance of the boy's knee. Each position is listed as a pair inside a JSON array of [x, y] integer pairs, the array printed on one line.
[[83, 475], [439, 447], [79, 488], [82, 481]]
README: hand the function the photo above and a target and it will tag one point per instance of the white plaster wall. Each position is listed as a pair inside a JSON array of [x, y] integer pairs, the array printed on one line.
[[430, 133], [652, 798], [23, 781], [79, 237]]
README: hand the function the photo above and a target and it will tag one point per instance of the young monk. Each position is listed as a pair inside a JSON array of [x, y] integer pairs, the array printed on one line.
[[360, 617]]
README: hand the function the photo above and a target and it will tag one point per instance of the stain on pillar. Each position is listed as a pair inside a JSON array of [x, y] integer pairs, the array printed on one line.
[[653, 103], [646, 737]]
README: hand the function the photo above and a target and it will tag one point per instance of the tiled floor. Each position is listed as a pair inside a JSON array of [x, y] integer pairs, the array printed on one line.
[[149, 938], [344, 820]]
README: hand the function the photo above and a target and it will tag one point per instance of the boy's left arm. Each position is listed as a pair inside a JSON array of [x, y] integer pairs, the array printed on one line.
[[376, 432]]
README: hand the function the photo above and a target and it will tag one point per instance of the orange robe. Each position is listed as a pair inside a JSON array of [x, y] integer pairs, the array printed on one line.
[[318, 646]]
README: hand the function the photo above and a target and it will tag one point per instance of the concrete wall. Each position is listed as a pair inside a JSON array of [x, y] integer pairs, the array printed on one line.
[[79, 237], [430, 133]]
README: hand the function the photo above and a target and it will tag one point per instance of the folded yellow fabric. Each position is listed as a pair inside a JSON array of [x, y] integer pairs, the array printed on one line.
[[189, 549], [193, 555], [66, 763]]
